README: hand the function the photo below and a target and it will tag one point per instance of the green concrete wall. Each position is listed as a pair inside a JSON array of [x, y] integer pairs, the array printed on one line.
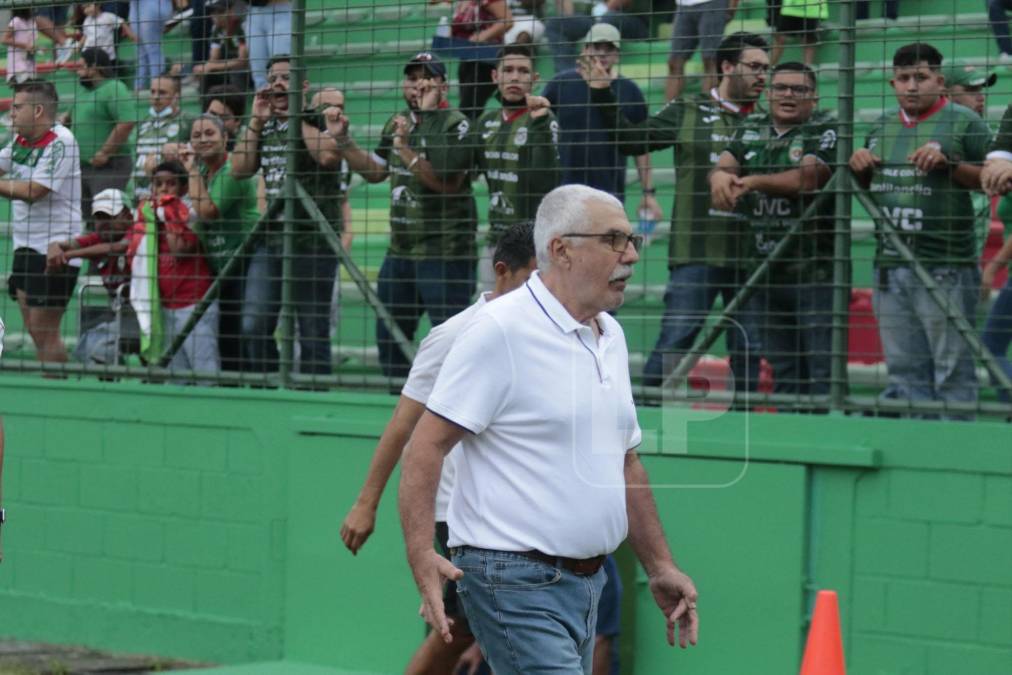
[[202, 523]]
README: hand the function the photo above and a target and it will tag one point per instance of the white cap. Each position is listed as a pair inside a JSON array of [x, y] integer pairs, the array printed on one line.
[[110, 202], [603, 32]]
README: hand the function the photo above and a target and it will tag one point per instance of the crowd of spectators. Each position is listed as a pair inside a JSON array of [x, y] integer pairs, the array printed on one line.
[[750, 150]]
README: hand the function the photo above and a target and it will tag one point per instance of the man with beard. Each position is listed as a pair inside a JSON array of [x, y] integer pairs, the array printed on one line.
[[429, 266], [705, 251], [517, 150], [768, 174], [103, 116], [264, 145]]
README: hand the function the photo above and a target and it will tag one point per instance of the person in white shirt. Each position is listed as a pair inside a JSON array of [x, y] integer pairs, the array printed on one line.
[[41, 175], [536, 390], [513, 262], [99, 29]]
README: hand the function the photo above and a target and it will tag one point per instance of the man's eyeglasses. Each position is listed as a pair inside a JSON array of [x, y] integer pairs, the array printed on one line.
[[796, 89], [756, 66], [618, 241]]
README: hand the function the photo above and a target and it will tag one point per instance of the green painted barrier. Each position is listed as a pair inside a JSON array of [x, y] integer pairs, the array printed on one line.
[[202, 523]]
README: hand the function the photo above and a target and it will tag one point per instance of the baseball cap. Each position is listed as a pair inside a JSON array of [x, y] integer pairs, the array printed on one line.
[[110, 202], [431, 63], [603, 32], [968, 76]]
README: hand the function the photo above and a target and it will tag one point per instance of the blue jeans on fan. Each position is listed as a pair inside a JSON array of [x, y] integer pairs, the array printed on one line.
[[688, 300], [147, 17], [268, 33], [408, 288], [996, 15], [312, 286], [997, 334], [529, 616], [927, 358]]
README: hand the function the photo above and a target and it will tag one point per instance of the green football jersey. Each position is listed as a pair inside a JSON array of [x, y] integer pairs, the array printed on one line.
[[424, 223], [933, 213], [759, 149], [698, 128], [519, 156], [322, 184]]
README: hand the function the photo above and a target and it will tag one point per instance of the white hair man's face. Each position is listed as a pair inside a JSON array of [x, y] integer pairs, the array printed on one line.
[[599, 271]]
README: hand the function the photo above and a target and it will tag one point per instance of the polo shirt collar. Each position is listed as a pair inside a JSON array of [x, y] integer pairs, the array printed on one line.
[[553, 309], [910, 122]]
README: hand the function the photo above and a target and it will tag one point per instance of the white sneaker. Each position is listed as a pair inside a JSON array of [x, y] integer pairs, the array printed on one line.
[[65, 52]]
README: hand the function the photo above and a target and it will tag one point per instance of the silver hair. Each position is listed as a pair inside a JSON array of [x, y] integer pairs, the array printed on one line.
[[564, 210]]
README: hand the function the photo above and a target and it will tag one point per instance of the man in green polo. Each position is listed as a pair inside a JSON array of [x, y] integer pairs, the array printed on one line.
[[104, 114]]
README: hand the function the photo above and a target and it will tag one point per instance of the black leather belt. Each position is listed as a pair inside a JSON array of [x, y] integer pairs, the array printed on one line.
[[581, 567]]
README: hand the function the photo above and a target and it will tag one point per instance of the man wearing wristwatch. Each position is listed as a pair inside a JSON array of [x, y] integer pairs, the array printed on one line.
[[427, 153], [263, 145], [921, 162]]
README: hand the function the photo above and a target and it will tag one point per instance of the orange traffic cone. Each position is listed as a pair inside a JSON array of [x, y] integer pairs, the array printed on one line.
[[824, 649]]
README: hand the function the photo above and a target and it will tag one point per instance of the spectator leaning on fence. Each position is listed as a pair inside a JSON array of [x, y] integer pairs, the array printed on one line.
[[226, 210], [706, 251], [165, 123], [430, 265], [768, 174], [40, 174], [264, 145], [103, 117], [516, 148], [106, 248], [920, 164]]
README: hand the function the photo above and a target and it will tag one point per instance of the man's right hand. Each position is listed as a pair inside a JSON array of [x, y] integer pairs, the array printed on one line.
[[55, 256], [358, 525], [725, 190], [430, 569], [336, 122], [996, 177], [864, 161], [593, 70], [262, 105]]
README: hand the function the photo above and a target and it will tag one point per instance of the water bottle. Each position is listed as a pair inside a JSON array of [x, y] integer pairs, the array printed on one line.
[[443, 29], [646, 225]]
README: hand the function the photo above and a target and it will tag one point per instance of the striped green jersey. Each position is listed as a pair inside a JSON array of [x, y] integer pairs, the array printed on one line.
[[519, 156], [698, 128], [425, 223], [759, 150], [933, 213]]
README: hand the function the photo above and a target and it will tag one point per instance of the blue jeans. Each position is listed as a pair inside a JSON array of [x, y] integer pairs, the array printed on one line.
[[688, 299], [927, 358], [268, 33], [312, 286], [999, 23], [147, 18], [410, 287], [529, 616], [797, 336], [997, 333]]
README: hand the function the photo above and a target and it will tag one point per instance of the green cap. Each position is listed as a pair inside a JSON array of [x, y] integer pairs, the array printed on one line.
[[968, 76]]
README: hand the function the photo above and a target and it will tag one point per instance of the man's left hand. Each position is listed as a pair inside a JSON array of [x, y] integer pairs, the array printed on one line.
[[928, 157], [401, 129], [538, 105], [429, 94], [676, 595], [649, 203], [99, 159]]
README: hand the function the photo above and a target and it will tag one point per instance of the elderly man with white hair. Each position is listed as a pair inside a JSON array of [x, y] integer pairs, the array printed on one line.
[[536, 389]]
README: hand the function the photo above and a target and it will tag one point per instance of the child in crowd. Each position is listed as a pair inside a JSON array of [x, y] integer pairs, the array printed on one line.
[[165, 295], [20, 39], [99, 29]]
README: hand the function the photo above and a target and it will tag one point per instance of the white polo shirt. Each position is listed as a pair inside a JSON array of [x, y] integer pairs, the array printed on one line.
[[551, 416], [424, 369]]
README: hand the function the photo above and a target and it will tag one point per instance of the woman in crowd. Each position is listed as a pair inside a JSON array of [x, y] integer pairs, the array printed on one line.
[[225, 209]]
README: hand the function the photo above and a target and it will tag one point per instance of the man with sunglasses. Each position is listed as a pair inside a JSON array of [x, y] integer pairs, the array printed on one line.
[[768, 175], [705, 251], [548, 479]]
